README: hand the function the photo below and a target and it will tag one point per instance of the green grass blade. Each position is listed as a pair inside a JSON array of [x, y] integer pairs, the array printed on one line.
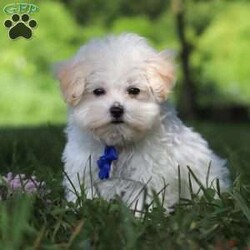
[[241, 203]]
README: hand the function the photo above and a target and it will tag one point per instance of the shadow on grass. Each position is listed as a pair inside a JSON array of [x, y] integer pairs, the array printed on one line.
[[38, 149], [32, 150]]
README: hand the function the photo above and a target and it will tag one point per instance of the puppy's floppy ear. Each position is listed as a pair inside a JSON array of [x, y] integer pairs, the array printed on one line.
[[71, 77], [161, 74]]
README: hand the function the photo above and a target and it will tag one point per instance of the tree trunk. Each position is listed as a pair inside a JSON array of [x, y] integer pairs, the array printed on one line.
[[187, 97]]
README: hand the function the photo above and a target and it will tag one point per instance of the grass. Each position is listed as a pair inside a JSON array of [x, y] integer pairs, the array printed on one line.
[[49, 222]]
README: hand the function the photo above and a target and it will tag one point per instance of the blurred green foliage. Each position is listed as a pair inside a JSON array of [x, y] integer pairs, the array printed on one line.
[[224, 53], [219, 32], [29, 93]]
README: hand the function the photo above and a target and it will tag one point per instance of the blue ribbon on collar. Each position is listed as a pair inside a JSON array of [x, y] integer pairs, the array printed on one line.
[[105, 161]]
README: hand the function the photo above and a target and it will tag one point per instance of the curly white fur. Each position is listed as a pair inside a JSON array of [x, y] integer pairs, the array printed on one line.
[[152, 141]]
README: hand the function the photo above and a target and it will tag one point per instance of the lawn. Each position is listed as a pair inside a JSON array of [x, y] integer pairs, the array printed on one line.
[[47, 221]]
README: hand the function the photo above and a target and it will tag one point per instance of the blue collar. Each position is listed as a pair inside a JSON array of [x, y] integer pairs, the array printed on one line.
[[105, 161]]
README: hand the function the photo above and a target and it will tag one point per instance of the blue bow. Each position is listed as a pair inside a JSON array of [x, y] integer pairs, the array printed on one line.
[[104, 162]]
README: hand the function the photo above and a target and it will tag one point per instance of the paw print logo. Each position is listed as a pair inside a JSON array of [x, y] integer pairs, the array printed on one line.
[[20, 26]]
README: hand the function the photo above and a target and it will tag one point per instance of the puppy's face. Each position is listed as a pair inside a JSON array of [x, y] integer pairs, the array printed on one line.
[[115, 88]]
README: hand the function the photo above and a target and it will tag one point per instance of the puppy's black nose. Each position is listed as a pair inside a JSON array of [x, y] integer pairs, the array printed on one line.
[[117, 111]]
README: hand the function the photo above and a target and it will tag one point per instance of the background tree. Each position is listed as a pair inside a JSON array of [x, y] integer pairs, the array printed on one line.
[[187, 98]]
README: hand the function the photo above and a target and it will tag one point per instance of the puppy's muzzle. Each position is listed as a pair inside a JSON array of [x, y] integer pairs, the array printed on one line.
[[117, 112]]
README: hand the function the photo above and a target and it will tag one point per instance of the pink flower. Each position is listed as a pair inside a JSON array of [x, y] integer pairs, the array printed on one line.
[[22, 183]]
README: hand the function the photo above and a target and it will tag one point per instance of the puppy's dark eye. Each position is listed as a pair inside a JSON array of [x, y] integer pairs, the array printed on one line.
[[99, 91], [133, 91]]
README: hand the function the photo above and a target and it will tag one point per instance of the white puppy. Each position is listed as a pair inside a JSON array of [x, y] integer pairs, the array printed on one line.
[[122, 134]]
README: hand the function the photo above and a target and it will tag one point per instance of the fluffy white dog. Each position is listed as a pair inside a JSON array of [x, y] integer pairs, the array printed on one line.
[[122, 134]]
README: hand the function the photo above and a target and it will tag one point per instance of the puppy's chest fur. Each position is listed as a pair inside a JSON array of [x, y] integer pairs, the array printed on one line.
[[142, 161], [136, 163], [124, 165]]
